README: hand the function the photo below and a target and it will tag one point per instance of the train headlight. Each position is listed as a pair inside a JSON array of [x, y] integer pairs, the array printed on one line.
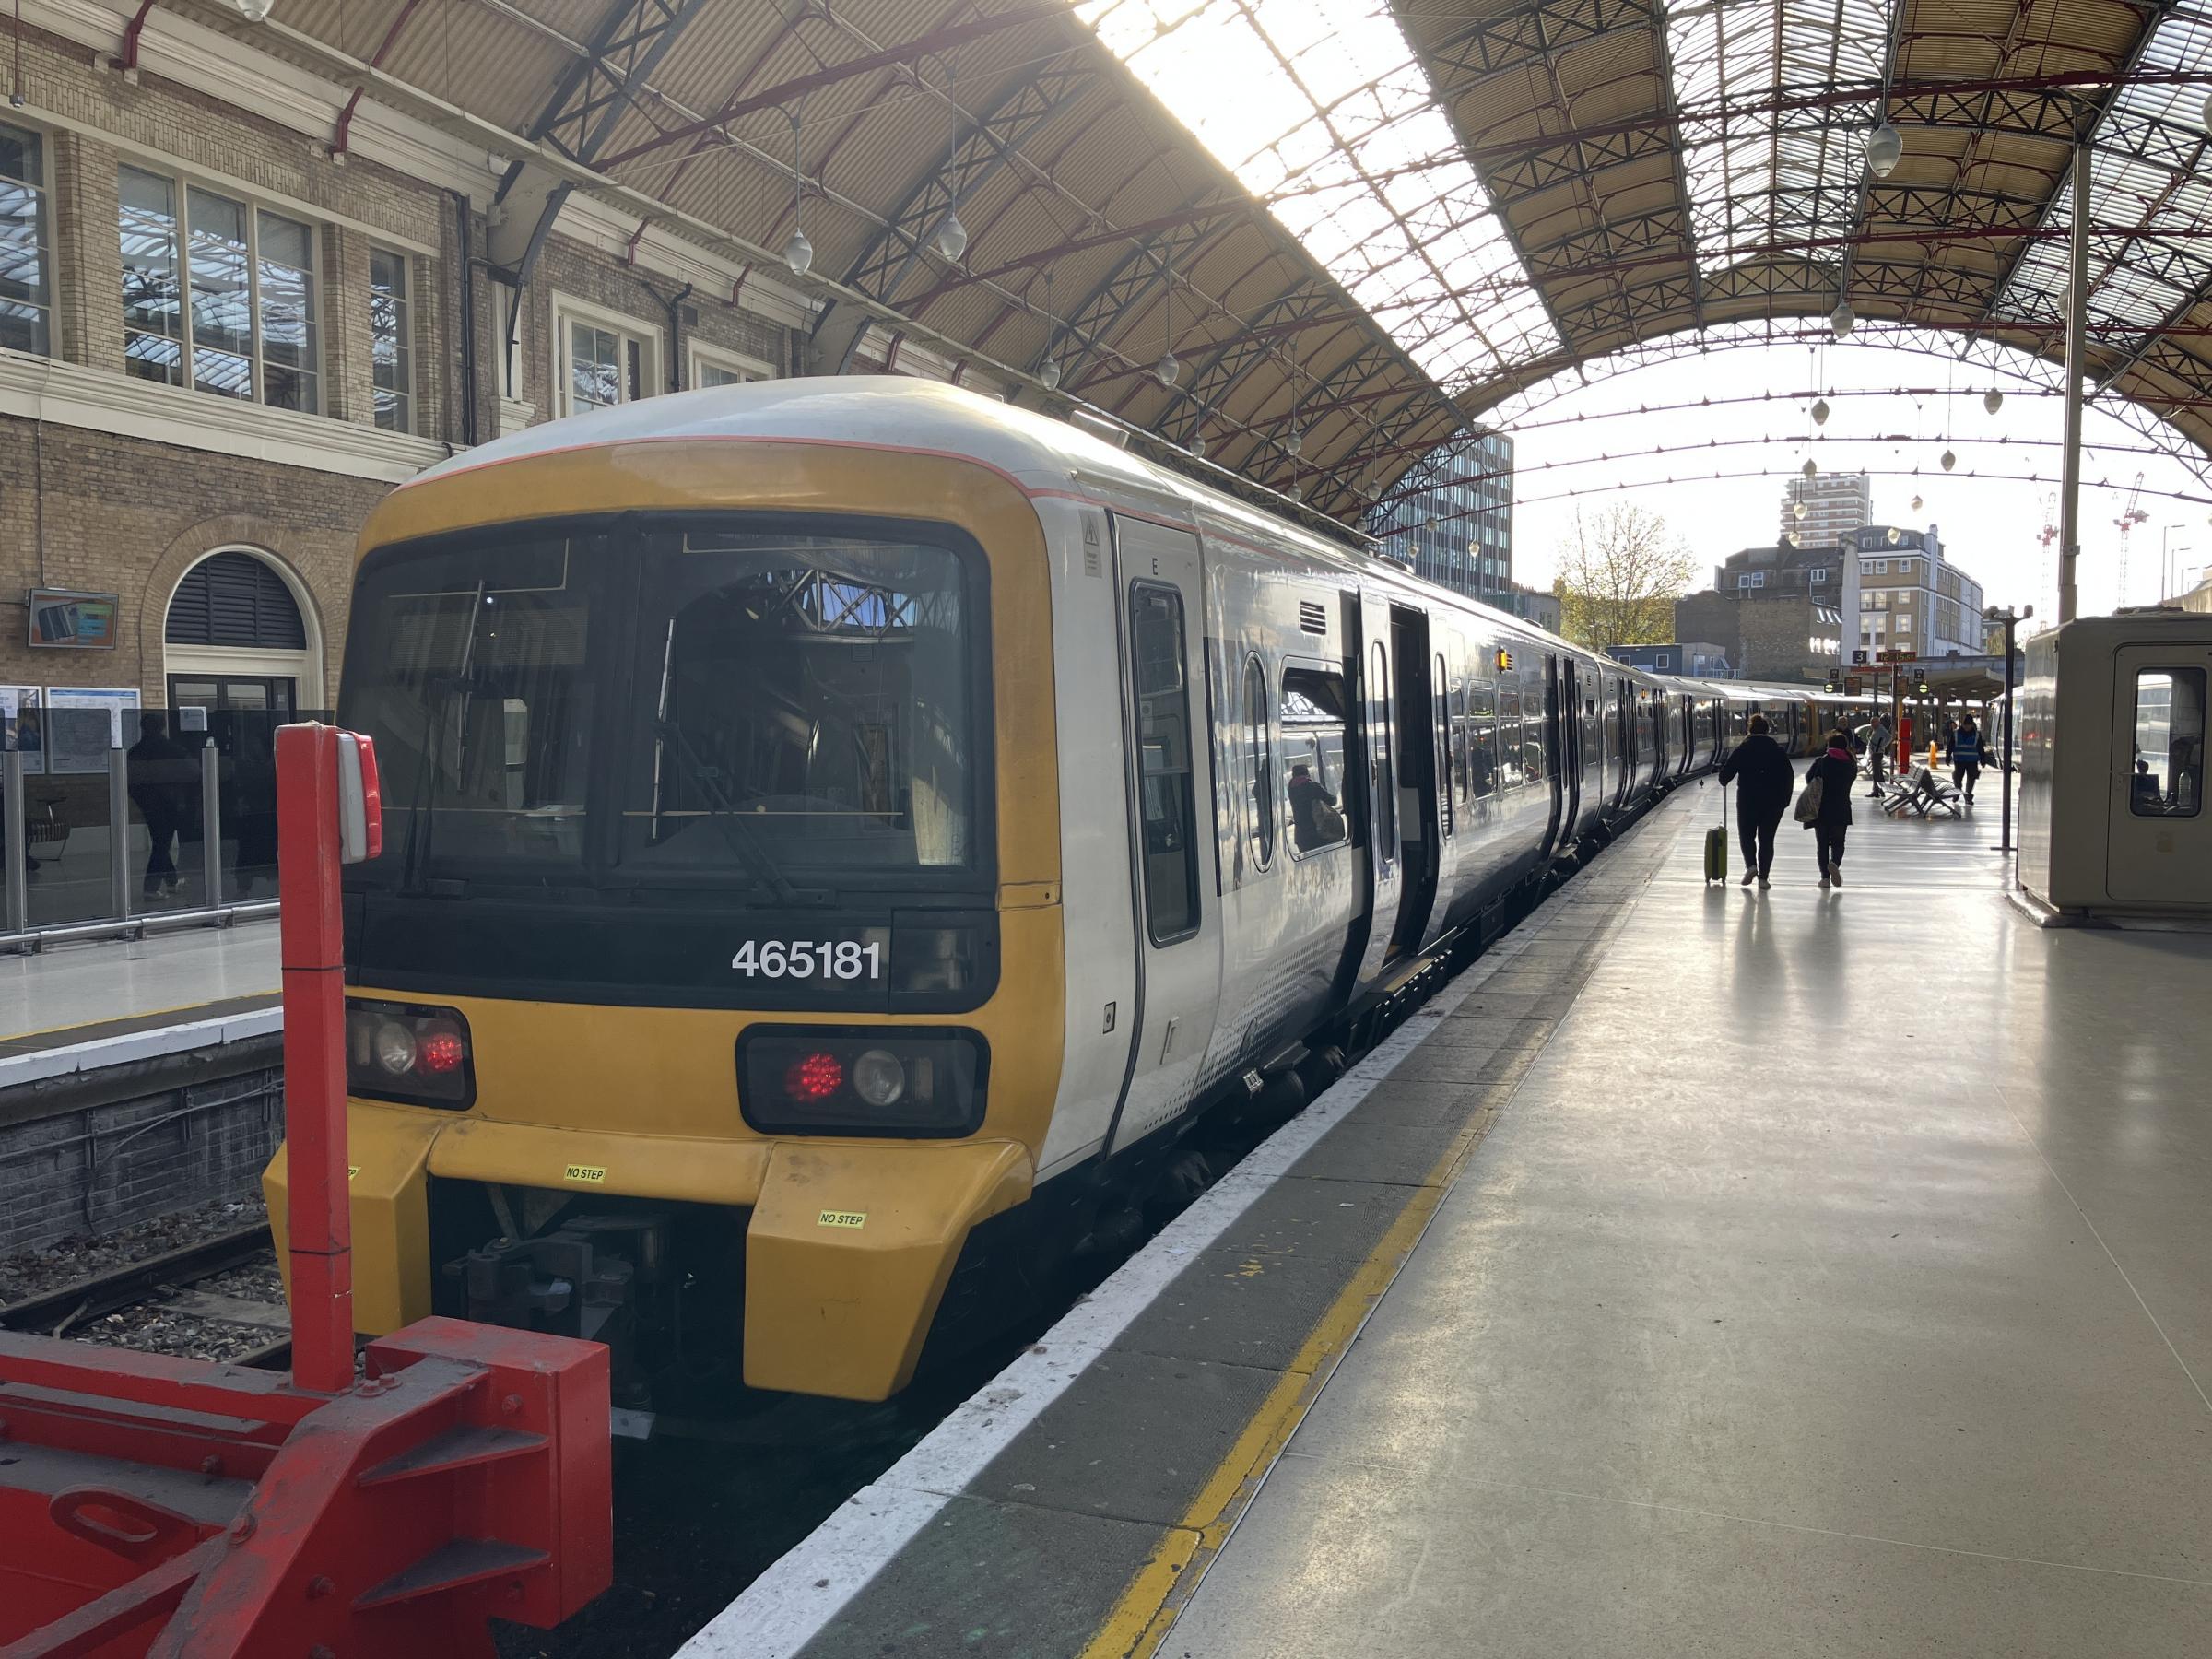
[[879, 1078], [406, 1052], [882, 1080]]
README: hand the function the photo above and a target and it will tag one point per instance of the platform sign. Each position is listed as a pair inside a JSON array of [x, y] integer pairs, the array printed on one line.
[[63, 619], [83, 723], [23, 724]]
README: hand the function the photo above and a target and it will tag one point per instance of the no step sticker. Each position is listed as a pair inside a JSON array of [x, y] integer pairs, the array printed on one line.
[[588, 1174], [842, 1219]]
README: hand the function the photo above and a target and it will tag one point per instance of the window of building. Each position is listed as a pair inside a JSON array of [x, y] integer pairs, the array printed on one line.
[[1751, 579], [26, 264], [715, 366], [602, 358], [217, 294], [1818, 573], [1881, 567], [390, 340]]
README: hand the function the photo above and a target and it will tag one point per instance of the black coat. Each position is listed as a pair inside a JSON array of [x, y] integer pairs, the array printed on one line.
[[1764, 779], [1836, 779]]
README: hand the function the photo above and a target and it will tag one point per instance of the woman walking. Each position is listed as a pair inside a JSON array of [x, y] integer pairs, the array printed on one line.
[[1835, 771], [1764, 783]]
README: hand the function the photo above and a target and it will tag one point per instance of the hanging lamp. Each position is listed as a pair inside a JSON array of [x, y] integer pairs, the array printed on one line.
[[1993, 400], [1841, 318], [1885, 148], [798, 253], [1820, 412]]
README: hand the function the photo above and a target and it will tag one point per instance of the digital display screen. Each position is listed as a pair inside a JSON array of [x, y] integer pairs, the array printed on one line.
[[72, 621]]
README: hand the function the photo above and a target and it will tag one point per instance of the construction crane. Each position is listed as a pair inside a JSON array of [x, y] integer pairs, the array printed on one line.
[[2130, 516]]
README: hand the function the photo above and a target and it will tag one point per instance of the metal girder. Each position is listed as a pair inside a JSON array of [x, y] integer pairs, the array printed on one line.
[[1525, 36], [900, 56], [990, 142], [628, 46], [1683, 209], [1123, 292], [1212, 383], [2076, 132], [1451, 111]]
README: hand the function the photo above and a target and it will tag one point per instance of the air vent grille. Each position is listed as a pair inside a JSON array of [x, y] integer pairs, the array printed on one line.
[[1312, 618]]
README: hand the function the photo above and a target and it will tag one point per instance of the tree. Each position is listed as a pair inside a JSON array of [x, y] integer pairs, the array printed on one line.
[[1620, 571]]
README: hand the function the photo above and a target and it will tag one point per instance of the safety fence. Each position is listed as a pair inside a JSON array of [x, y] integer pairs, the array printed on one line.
[[117, 822]]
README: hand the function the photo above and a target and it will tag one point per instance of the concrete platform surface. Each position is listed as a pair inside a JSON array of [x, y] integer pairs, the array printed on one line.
[[1837, 1280], [73, 993]]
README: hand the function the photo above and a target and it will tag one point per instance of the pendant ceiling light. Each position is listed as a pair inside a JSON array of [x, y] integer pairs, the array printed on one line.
[[1049, 372], [951, 240], [1198, 445], [1949, 460], [1168, 367], [1820, 412], [1885, 148], [1841, 320], [1895, 535], [1916, 504], [798, 253], [1295, 442], [1993, 400], [1797, 510], [1811, 468]]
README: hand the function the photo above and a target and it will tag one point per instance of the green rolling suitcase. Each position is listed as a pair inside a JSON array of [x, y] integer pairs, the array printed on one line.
[[1716, 843]]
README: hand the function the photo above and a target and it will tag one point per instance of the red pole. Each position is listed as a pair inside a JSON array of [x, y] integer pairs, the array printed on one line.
[[312, 941]]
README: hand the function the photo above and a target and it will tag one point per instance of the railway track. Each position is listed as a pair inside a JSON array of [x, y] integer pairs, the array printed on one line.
[[216, 1299]]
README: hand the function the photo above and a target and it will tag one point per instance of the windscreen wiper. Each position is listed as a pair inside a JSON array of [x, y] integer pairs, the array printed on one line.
[[724, 812]]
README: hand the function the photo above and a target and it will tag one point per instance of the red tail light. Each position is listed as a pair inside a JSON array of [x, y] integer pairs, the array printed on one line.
[[815, 1077], [441, 1052]]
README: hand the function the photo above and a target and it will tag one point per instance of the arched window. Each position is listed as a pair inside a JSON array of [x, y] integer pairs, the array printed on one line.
[[236, 600]]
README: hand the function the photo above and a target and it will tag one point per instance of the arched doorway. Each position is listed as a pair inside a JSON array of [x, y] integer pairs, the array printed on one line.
[[239, 636]]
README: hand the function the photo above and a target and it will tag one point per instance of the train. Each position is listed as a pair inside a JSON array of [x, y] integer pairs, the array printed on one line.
[[848, 839]]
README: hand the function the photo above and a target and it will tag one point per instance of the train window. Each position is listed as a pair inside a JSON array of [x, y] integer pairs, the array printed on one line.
[[802, 702], [1259, 754], [1379, 750], [1535, 733], [1314, 725], [1512, 755], [1441, 701], [471, 669], [1483, 751], [1166, 807], [2168, 777]]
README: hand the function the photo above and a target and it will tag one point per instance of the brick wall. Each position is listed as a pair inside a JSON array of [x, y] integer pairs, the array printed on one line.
[[130, 1152]]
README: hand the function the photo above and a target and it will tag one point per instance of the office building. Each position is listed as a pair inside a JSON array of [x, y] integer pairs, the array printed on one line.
[[1911, 597], [1835, 504], [1451, 518]]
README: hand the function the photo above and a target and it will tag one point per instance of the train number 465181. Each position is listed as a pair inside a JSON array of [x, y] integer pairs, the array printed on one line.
[[809, 959]]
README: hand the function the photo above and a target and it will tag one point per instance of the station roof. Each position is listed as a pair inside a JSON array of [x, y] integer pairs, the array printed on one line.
[[1373, 223]]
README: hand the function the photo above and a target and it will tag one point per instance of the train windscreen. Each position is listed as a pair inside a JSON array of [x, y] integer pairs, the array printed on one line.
[[647, 701]]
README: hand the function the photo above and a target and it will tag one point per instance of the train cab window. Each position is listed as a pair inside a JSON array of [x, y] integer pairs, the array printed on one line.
[[2168, 775], [803, 702], [1313, 720], [1482, 717], [471, 668], [1167, 805], [1260, 759]]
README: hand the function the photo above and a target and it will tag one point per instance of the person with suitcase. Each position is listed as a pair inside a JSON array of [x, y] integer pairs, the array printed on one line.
[[1834, 772], [1765, 781]]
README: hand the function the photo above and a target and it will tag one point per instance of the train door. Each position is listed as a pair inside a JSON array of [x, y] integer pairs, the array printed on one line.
[[1171, 788], [1373, 669], [2160, 845], [1558, 738], [1419, 813]]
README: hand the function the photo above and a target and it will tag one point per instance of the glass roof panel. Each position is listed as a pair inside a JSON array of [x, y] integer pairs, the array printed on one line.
[[2135, 278], [1759, 177], [1320, 109]]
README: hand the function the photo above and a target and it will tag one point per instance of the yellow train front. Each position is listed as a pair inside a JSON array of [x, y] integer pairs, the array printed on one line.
[[707, 991]]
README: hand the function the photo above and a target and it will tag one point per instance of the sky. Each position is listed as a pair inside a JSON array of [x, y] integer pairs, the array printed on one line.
[[1991, 528]]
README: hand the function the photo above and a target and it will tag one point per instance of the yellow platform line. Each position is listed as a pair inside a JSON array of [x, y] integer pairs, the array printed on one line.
[[1166, 1581]]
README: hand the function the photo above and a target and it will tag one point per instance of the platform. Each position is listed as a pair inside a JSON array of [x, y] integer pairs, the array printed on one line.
[[1707, 1271], [68, 1006]]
